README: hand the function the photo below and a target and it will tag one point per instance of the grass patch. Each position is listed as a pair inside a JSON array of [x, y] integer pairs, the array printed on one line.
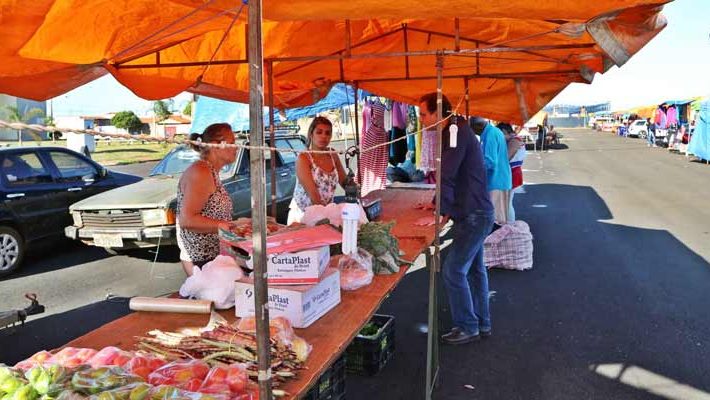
[[112, 153]]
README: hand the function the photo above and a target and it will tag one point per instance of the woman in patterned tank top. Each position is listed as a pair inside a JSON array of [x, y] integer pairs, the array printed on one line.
[[317, 175], [202, 201]]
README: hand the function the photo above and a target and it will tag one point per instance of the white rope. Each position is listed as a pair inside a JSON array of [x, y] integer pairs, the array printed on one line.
[[148, 138]]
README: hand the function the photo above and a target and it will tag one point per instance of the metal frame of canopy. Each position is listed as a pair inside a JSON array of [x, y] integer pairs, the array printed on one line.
[[257, 65]]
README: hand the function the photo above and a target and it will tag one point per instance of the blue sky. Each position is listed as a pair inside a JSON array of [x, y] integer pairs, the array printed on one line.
[[676, 64]]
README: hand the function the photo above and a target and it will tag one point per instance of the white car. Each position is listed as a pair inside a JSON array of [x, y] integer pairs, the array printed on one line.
[[638, 128]]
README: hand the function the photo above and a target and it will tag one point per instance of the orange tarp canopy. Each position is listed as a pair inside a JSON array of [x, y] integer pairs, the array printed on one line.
[[161, 48]]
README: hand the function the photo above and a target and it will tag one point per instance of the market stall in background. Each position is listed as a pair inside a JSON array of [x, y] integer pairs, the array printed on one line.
[[505, 64]]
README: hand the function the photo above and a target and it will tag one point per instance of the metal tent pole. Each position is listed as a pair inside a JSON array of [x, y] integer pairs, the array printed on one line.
[[523, 108], [467, 97], [272, 136], [432, 367], [357, 130], [258, 199]]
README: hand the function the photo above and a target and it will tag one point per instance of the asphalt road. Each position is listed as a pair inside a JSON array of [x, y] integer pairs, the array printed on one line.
[[616, 306]]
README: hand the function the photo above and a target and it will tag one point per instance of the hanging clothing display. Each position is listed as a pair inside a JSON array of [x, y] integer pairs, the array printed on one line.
[[398, 150], [700, 140], [658, 117], [373, 164], [672, 116], [428, 152]]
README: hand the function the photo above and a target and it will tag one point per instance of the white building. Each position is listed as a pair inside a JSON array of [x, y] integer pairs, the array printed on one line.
[[176, 124]]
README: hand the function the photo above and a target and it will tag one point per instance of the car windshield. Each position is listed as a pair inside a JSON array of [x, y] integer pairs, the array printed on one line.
[[178, 160]]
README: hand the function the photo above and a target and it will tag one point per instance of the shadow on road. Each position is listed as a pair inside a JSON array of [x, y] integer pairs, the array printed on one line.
[[606, 312], [561, 146], [598, 294], [169, 254], [56, 255], [54, 331]]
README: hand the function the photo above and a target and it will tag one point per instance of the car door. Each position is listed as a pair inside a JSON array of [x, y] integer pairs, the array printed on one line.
[[76, 178], [239, 186], [30, 194], [287, 173]]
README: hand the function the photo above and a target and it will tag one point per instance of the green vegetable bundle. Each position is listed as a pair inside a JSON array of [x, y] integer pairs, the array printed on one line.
[[377, 239]]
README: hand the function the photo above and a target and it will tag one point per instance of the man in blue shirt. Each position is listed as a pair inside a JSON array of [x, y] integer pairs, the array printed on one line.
[[464, 199], [495, 155]]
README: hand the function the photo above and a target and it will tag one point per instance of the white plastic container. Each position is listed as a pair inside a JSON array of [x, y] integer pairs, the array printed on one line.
[[351, 217]]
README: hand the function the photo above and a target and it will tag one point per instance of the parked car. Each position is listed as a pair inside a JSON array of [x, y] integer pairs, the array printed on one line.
[[638, 128], [38, 185], [142, 215]]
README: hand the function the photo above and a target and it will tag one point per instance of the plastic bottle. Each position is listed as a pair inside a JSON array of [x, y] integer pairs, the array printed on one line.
[[351, 216]]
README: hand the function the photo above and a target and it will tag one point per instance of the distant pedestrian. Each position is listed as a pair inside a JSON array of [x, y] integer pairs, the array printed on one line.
[[516, 156], [495, 155], [651, 132]]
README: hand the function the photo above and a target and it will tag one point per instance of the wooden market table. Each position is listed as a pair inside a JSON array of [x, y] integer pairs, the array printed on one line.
[[333, 332]]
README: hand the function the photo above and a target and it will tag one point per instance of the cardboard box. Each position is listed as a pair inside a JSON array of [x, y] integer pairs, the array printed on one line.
[[297, 268], [301, 305]]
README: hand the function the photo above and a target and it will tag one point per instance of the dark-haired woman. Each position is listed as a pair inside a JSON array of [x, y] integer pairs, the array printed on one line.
[[317, 174], [202, 201]]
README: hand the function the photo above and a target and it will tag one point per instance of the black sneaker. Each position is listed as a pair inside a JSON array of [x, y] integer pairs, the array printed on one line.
[[458, 336], [485, 334]]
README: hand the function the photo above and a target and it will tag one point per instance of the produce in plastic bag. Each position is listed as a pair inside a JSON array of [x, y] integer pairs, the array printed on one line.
[[110, 356], [134, 391], [71, 357], [24, 392], [143, 365], [50, 380], [10, 380], [97, 380], [70, 395], [232, 378], [165, 392], [38, 358], [186, 375], [355, 269]]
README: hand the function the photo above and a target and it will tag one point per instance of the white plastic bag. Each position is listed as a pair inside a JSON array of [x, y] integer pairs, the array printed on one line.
[[215, 282], [355, 269], [332, 212]]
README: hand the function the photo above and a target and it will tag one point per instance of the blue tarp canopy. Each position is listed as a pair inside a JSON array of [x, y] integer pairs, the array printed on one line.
[[209, 111], [700, 141], [678, 102]]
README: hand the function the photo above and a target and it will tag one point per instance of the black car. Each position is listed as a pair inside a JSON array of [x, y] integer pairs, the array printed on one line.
[[37, 186]]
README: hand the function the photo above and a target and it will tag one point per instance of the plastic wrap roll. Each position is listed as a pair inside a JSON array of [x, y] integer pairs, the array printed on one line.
[[170, 305]]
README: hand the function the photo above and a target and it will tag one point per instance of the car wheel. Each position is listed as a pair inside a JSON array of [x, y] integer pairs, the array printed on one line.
[[642, 134], [12, 250]]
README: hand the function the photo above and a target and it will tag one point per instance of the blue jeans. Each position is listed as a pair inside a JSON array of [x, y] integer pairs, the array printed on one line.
[[469, 305], [651, 137]]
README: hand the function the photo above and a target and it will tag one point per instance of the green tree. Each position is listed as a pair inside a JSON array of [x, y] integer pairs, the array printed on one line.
[[162, 109], [49, 121], [127, 120], [15, 115], [188, 109]]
